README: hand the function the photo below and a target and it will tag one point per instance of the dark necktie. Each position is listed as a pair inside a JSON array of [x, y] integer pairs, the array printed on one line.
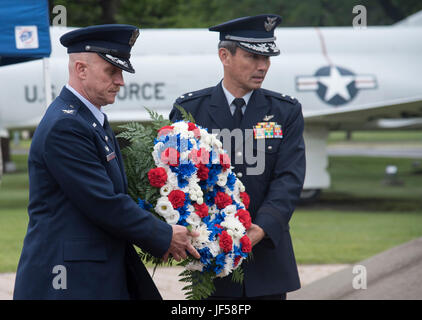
[[238, 115], [108, 131]]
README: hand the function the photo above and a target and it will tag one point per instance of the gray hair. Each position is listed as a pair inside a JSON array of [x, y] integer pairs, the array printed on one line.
[[229, 45]]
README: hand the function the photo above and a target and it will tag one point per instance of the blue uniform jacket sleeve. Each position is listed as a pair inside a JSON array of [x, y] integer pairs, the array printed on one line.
[[287, 180], [72, 159]]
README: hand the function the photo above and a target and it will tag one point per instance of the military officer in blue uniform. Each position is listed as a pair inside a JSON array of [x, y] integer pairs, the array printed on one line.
[[82, 223], [239, 102]]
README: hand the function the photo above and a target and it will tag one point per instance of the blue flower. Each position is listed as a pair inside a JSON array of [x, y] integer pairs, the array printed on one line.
[[213, 173], [184, 214], [231, 180], [144, 204], [172, 142], [237, 250], [206, 255], [220, 261]]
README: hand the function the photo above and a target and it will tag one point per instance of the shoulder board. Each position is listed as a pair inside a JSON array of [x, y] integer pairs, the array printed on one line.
[[280, 96], [194, 94]]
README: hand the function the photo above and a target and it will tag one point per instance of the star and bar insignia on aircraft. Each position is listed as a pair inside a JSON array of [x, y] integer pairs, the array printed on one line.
[[335, 85]]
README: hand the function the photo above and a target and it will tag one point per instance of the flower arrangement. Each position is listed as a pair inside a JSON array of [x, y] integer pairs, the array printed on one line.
[[181, 173]]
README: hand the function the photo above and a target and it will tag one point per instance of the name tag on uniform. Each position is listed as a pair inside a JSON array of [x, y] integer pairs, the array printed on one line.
[[111, 156]]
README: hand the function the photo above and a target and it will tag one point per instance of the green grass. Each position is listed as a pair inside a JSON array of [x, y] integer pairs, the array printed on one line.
[[13, 223], [13, 214], [354, 219], [327, 236], [393, 136]]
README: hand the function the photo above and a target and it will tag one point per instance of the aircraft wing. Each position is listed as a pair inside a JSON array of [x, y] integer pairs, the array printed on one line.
[[403, 113]]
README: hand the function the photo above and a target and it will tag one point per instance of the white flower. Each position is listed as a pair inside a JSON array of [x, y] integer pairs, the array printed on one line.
[[165, 190], [231, 209], [193, 219], [234, 227], [215, 249], [203, 239], [228, 267], [184, 157], [164, 207], [171, 179], [200, 201], [222, 180], [213, 209], [173, 217], [180, 127]]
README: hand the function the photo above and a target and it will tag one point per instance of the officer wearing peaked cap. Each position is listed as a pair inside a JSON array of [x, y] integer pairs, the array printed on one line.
[[82, 223], [238, 102]]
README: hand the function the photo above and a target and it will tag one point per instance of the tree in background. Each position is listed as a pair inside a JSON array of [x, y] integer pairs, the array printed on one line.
[[205, 13]]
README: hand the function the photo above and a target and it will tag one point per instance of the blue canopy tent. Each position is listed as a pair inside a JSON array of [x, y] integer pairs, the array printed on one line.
[[25, 36], [24, 31]]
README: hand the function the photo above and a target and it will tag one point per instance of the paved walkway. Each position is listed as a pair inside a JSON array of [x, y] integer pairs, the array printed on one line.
[[167, 282]]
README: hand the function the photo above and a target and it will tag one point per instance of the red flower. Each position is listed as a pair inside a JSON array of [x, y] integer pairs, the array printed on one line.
[[226, 242], [236, 260], [170, 156], [244, 217], [246, 244], [202, 172], [225, 161], [201, 210], [191, 126], [222, 200], [165, 130], [200, 156], [177, 198], [195, 129], [245, 199], [157, 177]]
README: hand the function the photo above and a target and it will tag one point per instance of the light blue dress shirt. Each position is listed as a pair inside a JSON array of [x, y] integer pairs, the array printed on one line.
[[231, 97]]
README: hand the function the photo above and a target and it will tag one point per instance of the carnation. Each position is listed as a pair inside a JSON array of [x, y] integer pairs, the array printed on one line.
[[157, 177], [170, 156], [245, 199], [202, 172], [222, 200], [246, 244], [226, 242], [201, 210], [244, 218], [225, 161], [165, 130], [177, 198]]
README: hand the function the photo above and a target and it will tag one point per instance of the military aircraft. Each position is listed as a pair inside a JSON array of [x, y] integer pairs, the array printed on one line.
[[345, 78]]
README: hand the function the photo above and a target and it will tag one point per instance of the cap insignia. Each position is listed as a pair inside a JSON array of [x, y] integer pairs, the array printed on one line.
[[133, 38], [270, 23]]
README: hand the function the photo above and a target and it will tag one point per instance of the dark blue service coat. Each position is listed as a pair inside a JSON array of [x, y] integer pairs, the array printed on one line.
[[274, 193], [80, 216]]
